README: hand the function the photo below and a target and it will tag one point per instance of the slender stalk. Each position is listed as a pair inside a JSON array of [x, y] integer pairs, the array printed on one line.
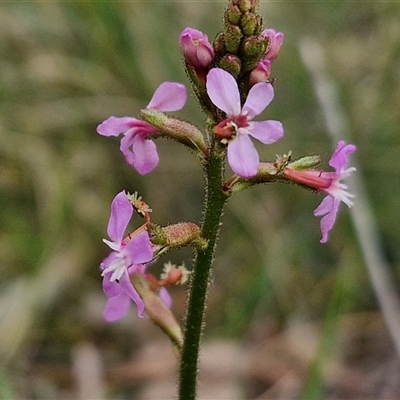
[[213, 208]]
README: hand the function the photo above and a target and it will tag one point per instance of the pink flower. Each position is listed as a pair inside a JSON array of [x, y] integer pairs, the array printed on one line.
[[262, 71], [275, 43], [330, 183], [140, 152], [126, 259], [236, 129], [196, 48]]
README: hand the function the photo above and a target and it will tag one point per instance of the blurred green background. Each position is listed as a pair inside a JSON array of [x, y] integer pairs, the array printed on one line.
[[296, 318]]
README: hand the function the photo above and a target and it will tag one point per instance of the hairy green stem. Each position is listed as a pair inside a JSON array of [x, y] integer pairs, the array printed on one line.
[[214, 205]]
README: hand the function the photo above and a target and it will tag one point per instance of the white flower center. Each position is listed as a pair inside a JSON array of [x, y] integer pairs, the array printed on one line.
[[117, 267]]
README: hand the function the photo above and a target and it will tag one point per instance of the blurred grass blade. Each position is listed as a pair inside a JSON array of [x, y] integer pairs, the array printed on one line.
[[5, 389]]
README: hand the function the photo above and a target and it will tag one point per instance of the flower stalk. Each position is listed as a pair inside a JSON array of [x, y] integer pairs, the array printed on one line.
[[215, 200]]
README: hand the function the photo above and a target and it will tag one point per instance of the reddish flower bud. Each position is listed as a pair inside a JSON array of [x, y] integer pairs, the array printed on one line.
[[196, 48], [261, 73]]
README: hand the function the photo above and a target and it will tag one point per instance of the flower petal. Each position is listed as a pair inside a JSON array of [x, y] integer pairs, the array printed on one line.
[[144, 156], [169, 96], [125, 146], [114, 126], [329, 208], [127, 287], [260, 95], [139, 249], [324, 207], [339, 157], [121, 213], [266, 132], [275, 43], [110, 289], [243, 156], [223, 91], [117, 307]]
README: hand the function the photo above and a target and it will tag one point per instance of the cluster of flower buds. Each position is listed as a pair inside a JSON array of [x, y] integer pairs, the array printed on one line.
[[242, 48]]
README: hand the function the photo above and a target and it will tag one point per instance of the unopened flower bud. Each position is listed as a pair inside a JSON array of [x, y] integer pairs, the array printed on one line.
[[219, 44], [247, 5], [253, 48], [232, 64], [233, 37], [261, 73], [232, 15], [196, 48], [275, 43], [249, 23]]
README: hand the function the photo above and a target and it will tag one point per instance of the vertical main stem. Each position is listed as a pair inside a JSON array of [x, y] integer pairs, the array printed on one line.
[[214, 205]]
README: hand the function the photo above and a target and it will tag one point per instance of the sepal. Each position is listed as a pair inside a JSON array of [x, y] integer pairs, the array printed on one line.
[[306, 162], [176, 129], [176, 235]]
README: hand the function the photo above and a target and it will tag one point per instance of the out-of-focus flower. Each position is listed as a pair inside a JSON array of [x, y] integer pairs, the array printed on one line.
[[330, 183], [236, 129], [127, 258], [140, 152]]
